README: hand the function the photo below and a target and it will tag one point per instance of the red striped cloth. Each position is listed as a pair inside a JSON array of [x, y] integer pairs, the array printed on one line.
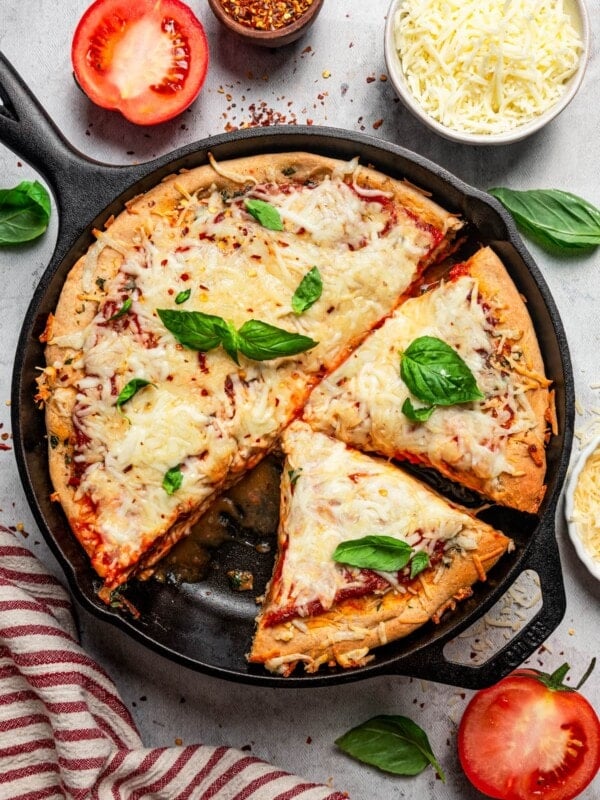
[[64, 732]]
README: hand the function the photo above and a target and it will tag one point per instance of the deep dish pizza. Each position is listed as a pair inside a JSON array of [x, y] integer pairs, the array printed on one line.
[[175, 358], [320, 609], [495, 444], [190, 336]]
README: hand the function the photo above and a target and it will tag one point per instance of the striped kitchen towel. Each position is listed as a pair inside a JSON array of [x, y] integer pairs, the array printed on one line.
[[64, 732]]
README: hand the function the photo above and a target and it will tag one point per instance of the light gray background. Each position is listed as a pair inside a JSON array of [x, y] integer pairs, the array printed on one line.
[[296, 728]]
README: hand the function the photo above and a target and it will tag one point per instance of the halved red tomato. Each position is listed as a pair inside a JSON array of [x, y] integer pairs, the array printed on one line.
[[530, 737], [144, 58]]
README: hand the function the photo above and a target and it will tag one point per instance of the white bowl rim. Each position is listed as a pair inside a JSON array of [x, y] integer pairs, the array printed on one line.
[[507, 137], [585, 556]]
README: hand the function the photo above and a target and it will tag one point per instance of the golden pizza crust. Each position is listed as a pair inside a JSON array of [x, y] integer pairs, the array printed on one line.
[[527, 452], [83, 293]]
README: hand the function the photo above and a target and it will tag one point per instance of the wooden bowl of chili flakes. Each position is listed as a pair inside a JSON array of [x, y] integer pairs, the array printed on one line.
[[268, 23]]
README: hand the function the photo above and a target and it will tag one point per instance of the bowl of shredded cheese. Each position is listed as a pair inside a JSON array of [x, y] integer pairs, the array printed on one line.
[[486, 71], [582, 506]]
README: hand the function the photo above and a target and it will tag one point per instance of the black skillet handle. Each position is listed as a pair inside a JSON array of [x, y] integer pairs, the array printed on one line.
[[82, 186], [544, 559]]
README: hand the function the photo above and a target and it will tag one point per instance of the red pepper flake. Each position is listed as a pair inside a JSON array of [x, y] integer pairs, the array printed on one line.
[[265, 15], [377, 124], [371, 79]]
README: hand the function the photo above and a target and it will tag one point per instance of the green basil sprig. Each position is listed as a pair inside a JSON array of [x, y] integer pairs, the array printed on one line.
[[172, 480], [130, 389], [308, 292], [436, 375], [392, 743], [181, 297], [382, 553], [555, 219], [24, 212], [265, 213], [255, 339], [123, 310]]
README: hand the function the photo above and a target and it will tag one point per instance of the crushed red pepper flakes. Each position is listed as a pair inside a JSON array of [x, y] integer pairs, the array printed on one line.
[[265, 15]]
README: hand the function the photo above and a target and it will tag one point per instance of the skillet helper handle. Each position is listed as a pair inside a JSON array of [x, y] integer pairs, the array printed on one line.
[[544, 559]]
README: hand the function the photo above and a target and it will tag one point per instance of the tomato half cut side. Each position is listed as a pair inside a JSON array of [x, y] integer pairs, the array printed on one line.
[[145, 58], [519, 740]]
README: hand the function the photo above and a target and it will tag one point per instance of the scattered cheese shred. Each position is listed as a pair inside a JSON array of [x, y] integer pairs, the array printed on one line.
[[486, 66]]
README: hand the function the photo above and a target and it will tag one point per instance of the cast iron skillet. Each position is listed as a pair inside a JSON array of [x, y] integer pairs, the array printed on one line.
[[205, 626]]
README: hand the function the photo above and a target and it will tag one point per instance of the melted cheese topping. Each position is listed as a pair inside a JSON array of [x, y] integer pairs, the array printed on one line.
[[361, 401], [586, 505], [339, 494], [200, 412], [486, 66]]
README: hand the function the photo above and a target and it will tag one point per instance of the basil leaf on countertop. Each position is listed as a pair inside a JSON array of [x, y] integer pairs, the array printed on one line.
[[383, 553], [261, 341], [24, 212], [181, 297], [130, 389], [265, 213], [436, 374], [172, 480], [257, 340], [557, 220], [308, 292], [123, 310], [392, 743]]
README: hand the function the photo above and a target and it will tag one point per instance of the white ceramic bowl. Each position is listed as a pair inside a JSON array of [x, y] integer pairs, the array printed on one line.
[[579, 16], [593, 564]]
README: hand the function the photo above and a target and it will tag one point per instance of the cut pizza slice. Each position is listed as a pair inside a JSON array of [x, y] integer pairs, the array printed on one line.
[[366, 555], [193, 330], [491, 439]]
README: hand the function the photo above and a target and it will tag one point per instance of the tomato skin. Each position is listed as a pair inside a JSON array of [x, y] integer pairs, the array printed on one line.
[[145, 58], [520, 740]]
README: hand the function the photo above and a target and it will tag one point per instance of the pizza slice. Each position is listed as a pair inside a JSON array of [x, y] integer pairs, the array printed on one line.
[[494, 443], [193, 330], [340, 508]]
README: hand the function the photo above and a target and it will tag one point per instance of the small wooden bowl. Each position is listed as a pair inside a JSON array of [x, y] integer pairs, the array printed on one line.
[[275, 38]]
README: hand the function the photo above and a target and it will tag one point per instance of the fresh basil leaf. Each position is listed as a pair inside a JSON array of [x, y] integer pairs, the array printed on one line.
[[265, 213], [181, 297], [418, 563], [392, 743], [255, 339], [557, 220], [416, 414], [261, 341], [308, 292], [293, 475], [130, 389], [123, 310], [231, 341], [383, 553], [194, 329], [24, 212], [172, 480], [436, 374]]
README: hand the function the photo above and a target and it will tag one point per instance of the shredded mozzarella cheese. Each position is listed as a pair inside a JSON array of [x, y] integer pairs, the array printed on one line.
[[586, 505], [486, 66]]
